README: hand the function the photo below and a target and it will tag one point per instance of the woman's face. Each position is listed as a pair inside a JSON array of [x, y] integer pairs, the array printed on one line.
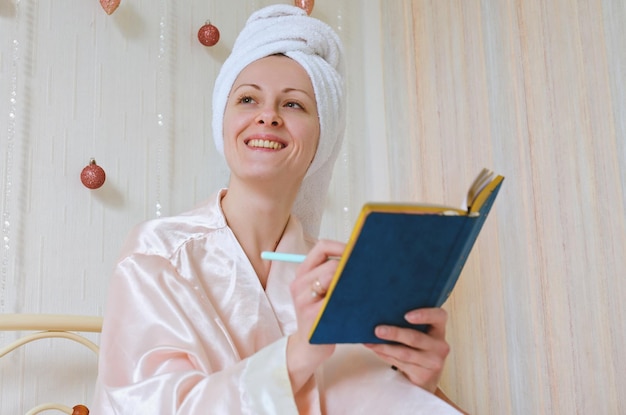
[[271, 125]]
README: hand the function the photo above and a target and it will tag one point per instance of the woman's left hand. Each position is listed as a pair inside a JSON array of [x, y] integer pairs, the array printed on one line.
[[419, 356]]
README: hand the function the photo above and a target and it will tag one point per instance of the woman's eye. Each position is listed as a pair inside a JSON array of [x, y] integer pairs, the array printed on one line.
[[293, 105], [246, 100]]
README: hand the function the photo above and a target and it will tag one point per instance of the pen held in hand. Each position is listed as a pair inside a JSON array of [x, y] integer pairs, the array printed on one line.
[[286, 257], [282, 256]]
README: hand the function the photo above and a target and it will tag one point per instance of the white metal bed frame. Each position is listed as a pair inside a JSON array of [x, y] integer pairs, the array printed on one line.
[[66, 326], [45, 326]]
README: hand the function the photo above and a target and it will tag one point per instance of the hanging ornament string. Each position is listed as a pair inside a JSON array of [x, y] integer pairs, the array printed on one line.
[[159, 99], [163, 104], [345, 166], [7, 219]]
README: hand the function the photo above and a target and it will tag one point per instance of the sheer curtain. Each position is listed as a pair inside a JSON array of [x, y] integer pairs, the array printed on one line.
[[535, 90]]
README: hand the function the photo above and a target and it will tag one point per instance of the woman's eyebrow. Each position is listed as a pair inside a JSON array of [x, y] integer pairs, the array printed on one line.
[[255, 86], [284, 90], [298, 90]]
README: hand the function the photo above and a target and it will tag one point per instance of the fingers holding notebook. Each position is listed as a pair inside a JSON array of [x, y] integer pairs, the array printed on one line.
[[420, 356]]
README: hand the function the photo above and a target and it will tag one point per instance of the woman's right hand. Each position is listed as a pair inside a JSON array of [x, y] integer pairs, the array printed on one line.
[[308, 289]]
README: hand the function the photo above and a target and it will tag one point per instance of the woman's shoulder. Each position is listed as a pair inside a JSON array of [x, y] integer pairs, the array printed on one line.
[[165, 235]]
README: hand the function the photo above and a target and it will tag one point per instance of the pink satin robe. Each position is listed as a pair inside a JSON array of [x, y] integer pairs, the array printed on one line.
[[189, 329]]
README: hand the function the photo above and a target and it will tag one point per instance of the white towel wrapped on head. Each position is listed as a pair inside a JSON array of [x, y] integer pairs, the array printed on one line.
[[316, 47]]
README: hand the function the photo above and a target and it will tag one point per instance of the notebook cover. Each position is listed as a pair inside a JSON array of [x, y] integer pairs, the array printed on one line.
[[400, 261]]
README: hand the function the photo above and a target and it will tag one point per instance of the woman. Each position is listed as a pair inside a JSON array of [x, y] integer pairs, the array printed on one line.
[[197, 322]]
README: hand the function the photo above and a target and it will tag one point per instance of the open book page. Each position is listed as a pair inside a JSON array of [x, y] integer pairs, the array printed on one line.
[[477, 205], [476, 195], [480, 182]]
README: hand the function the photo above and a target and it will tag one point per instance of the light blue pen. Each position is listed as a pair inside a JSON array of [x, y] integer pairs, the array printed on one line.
[[282, 256], [285, 257]]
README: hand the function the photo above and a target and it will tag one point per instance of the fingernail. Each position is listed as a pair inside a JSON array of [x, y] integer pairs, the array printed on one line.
[[411, 315], [381, 331]]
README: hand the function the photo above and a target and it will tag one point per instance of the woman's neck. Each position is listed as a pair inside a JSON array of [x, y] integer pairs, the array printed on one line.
[[258, 221]]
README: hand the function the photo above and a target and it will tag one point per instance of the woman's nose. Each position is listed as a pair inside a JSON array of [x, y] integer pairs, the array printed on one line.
[[269, 116]]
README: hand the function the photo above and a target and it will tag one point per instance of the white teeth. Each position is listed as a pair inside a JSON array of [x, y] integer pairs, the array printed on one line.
[[265, 144]]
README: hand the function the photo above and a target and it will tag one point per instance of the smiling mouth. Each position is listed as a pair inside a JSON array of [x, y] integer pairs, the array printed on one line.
[[273, 145]]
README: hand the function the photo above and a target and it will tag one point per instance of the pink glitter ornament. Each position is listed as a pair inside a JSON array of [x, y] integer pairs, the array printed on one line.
[[109, 6], [208, 34], [92, 176]]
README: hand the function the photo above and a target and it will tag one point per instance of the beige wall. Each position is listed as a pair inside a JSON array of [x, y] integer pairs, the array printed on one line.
[[438, 89], [537, 90]]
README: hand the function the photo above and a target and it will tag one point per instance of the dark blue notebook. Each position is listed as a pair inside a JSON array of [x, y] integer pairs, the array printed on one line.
[[399, 258]]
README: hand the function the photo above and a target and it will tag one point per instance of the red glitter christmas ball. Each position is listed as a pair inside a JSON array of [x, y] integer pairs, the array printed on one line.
[[80, 410], [208, 34], [109, 6], [307, 5], [92, 176]]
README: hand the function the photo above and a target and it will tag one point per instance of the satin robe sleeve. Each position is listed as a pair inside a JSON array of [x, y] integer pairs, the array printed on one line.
[[166, 351]]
